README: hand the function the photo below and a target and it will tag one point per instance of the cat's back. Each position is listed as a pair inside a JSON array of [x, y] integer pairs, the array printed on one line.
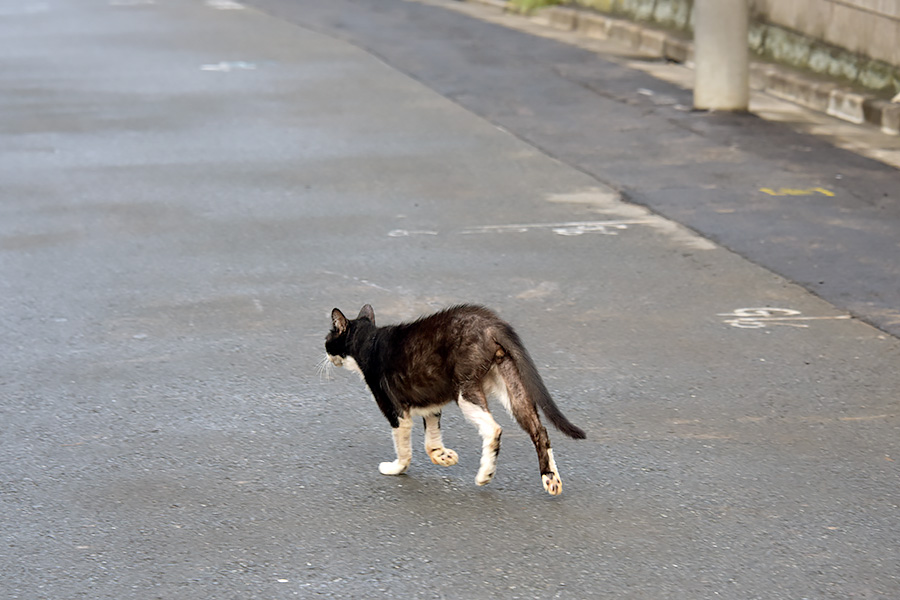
[[458, 317], [440, 332], [452, 345]]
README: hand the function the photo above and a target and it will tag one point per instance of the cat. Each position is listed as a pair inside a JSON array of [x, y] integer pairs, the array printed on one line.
[[464, 354]]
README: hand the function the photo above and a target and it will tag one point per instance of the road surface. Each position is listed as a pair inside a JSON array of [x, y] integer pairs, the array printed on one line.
[[190, 187]]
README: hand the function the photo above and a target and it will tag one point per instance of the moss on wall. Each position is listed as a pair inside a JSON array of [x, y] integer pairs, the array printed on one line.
[[767, 40]]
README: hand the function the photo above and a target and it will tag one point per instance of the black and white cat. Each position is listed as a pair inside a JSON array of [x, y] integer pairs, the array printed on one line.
[[464, 354]]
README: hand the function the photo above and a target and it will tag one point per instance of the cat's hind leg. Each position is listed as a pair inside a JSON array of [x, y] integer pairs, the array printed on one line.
[[526, 415], [434, 444], [474, 408], [402, 446]]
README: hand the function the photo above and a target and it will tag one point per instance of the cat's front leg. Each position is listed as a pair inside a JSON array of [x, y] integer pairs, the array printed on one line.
[[434, 443], [402, 446]]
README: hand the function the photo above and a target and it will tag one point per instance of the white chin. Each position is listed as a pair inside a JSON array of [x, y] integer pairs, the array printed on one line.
[[350, 364]]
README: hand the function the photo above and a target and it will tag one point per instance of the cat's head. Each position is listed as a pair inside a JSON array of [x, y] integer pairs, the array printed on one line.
[[340, 341]]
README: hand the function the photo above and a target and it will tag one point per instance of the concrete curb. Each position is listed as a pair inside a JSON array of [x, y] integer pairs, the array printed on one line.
[[787, 84]]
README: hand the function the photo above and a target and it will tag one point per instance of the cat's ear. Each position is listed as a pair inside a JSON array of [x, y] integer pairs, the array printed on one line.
[[339, 321], [367, 312]]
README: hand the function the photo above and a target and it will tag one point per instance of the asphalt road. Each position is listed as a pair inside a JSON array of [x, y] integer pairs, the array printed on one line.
[[837, 237], [189, 187]]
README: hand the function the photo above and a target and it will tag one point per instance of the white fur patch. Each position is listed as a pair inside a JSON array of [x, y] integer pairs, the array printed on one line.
[[426, 411], [351, 365], [402, 447], [494, 387], [434, 443], [490, 432], [552, 482], [552, 462], [392, 468], [481, 418], [433, 438], [347, 362]]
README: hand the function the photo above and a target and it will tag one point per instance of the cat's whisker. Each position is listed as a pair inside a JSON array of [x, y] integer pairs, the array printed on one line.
[[324, 369]]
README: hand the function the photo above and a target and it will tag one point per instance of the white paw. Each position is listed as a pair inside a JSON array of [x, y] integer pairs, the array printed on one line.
[[484, 477], [552, 483], [443, 456], [392, 468]]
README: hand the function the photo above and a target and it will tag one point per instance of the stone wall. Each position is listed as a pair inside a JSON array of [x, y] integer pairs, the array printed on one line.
[[857, 41], [870, 27]]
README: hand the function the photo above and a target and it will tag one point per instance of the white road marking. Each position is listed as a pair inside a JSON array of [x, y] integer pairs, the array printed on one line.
[[604, 201], [408, 233], [228, 66], [758, 318], [225, 5], [569, 228]]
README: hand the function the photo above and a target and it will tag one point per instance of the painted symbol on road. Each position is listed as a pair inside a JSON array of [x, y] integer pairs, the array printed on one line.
[[797, 192], [408, 233], [758, 318], [571, 228], [228, 66], [224, 5]]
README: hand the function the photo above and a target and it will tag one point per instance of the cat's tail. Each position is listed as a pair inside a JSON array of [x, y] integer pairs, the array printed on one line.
[[533, 384]]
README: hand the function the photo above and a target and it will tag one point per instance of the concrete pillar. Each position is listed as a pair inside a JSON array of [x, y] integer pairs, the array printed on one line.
[[721, 55]]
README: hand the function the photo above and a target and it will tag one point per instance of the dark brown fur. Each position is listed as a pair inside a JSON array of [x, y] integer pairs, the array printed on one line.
[[418, 367]]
